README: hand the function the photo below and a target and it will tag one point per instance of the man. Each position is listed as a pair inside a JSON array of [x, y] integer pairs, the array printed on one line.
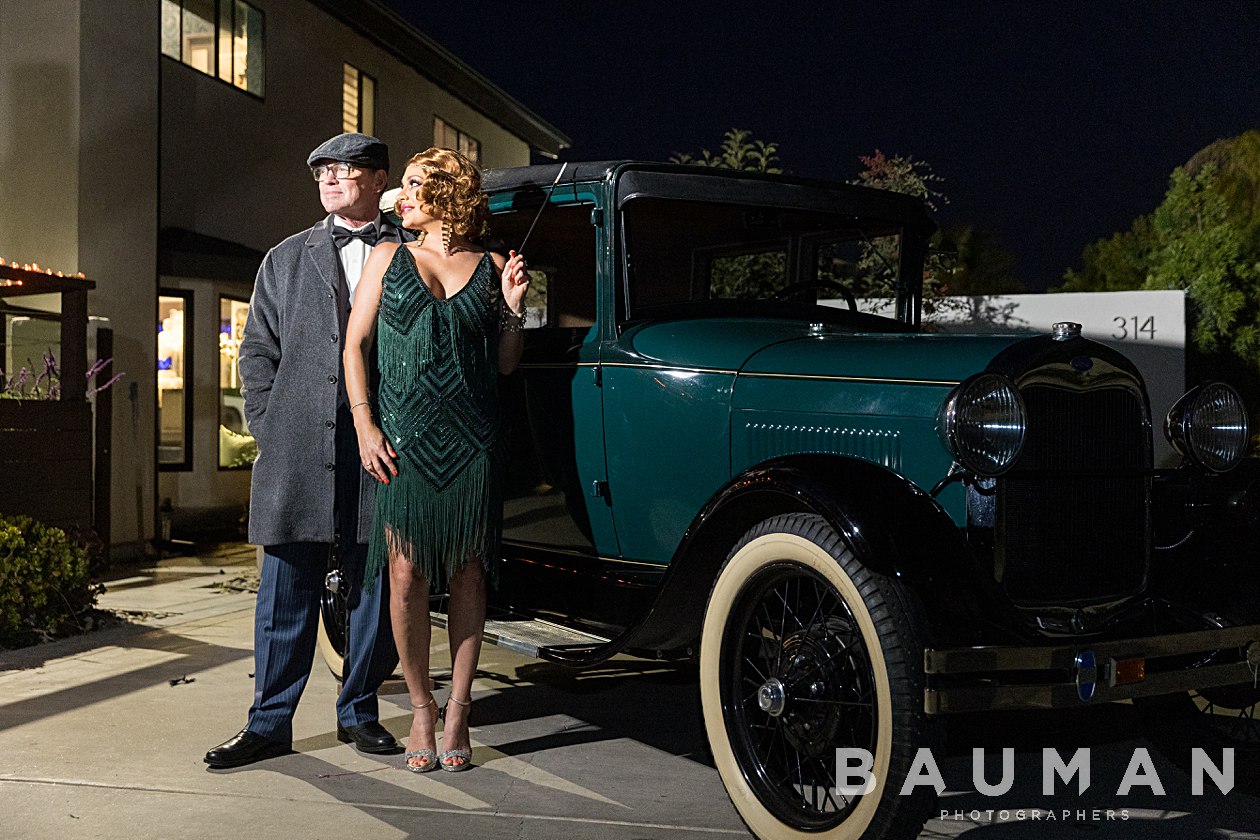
[[309, 493]]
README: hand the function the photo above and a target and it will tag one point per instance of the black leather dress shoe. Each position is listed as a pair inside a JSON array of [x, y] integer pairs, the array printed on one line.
[[246, 747], [368, 737]]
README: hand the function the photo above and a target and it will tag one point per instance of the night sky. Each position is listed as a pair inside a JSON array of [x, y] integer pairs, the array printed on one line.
[[1053, 125]]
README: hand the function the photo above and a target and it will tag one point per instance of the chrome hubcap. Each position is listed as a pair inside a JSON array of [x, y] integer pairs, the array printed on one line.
[[772, 697]]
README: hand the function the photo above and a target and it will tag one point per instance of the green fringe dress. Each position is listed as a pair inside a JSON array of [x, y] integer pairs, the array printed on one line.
[[438, 406]]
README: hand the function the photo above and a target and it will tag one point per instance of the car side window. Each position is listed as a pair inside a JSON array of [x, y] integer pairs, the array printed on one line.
[[561, 257], [685, 253]]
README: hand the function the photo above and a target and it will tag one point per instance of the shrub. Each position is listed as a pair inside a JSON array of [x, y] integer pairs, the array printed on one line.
[[45, 581]]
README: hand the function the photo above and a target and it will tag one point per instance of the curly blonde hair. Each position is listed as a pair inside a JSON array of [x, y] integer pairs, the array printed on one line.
[[452, 189]]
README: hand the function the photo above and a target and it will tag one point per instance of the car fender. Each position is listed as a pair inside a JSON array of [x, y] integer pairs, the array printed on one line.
[[894, 528]]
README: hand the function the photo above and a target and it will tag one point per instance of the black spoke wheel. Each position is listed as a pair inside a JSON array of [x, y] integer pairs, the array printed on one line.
[[1212, 720], [798, 686], [804, 651], [1233, 714], [333, 615]]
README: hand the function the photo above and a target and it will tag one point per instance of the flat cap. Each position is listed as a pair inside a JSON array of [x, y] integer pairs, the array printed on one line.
[[361, 149]]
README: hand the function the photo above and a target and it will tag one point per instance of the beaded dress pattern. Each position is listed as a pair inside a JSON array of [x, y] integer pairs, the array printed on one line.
[[439, 408]]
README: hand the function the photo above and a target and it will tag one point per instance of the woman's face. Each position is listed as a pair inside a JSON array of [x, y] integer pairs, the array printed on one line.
[[409, 209]]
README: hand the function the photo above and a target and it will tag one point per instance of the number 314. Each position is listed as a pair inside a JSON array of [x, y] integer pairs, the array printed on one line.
[[1129, 328]]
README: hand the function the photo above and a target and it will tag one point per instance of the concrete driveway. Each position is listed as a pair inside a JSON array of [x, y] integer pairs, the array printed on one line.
[[101, 736]]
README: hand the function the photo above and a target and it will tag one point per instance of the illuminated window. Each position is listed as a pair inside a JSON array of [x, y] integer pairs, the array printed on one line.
[[174, 395], [221, 38], [447, 136], [358, 100], [236, 445]]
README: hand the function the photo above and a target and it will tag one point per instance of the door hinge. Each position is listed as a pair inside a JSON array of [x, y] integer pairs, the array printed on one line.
[[598, 374], [597, 217], [599, 489]]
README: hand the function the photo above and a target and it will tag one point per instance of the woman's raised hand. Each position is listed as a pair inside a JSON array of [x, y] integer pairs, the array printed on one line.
[[515, 282]]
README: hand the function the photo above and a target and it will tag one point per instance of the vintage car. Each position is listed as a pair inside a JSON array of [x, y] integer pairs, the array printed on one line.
[[721, 448]]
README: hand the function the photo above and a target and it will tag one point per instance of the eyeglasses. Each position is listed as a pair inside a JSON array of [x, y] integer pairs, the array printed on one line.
[[340, 169]]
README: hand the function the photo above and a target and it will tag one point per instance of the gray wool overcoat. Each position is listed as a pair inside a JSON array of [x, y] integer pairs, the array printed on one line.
[[290, 364]]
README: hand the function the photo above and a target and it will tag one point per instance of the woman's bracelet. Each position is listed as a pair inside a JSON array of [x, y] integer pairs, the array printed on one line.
[[365, 402], [510, 321]]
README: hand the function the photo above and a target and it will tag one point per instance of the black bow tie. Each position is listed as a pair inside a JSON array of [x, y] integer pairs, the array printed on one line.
[[341, 236]]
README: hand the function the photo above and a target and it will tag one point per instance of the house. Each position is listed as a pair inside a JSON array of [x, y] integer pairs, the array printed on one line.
[[159, 147]]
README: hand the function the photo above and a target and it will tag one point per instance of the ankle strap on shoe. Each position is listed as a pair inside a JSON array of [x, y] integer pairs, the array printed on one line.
[[467, 702], [432, 701]]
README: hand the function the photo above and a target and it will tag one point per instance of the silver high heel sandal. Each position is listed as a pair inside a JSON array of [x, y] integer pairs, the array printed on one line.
[[446, 757], [428, 756]]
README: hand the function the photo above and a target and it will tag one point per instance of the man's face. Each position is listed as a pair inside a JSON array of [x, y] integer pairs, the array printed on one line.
[[354, 195]]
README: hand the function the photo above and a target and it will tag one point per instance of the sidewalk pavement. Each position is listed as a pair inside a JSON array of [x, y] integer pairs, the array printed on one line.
[[102, 736]]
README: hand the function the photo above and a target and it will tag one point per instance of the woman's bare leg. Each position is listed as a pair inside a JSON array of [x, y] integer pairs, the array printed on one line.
[[409, 614], [466, 624]]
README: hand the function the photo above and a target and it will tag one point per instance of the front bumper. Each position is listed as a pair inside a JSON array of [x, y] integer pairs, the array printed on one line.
[[1077, 673]]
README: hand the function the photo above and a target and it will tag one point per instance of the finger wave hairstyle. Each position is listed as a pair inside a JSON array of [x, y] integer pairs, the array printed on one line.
[[452, 189]]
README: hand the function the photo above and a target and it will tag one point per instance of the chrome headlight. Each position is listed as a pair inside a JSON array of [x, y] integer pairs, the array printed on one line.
[[983, 423], [1209, 427]]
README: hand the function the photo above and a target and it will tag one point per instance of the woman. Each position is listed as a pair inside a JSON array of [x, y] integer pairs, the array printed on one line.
[[450, 316]]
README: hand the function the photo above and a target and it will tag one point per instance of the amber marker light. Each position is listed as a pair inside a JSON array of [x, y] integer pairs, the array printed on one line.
[[1128, 671]]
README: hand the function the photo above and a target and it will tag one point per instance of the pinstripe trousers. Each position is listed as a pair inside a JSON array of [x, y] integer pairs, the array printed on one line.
[[286, 618]]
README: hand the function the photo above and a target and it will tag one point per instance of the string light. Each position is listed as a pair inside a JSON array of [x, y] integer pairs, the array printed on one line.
[[35, 268]]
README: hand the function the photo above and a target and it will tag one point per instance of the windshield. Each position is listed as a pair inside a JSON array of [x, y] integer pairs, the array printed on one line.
[[696, 258]]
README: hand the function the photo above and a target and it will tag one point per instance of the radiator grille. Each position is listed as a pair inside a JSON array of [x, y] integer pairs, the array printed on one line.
[[1072, 516]]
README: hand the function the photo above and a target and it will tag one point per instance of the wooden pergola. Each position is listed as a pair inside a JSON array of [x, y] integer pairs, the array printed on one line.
[[19, 280]]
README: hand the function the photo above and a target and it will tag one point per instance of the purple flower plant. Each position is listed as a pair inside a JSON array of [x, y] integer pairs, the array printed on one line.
[[47, 385]]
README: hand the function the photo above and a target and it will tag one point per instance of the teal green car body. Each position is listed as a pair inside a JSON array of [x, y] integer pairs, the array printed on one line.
[[737, 394], [647, 437]]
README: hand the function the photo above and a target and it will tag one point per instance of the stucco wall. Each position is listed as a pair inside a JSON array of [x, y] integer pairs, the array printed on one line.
[[233, 166], [117, 219], [39, 133]]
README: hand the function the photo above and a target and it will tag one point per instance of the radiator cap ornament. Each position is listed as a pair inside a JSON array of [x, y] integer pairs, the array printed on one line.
[[1064, 330]]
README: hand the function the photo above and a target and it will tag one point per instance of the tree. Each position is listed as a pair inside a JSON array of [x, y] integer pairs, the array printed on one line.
[[1118, 263], [737, 151], [876, 273], [982, 267], [1237, 163], [1125, 260], [1204, 238], [1199, 246], [901, 174], [747, 276]]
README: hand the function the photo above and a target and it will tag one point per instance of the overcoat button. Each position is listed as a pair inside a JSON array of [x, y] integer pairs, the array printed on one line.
[[332, 379], [330, 467], [334, 338], [328, 424]]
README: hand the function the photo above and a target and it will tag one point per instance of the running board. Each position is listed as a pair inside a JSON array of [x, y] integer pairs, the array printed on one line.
[[533, 637]]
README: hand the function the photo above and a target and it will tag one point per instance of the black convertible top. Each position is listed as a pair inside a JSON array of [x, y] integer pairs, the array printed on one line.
[[707, 182], [517, 177]]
